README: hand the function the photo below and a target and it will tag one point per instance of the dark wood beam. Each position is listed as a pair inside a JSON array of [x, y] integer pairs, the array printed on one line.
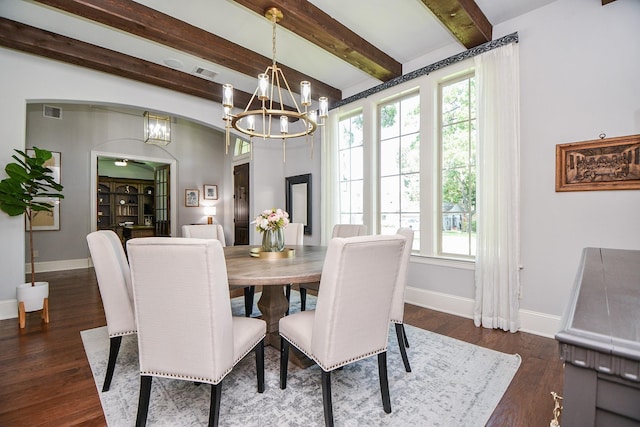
[[314, 25], [464, 19], [605, 2], [150, 24], [15, 35]]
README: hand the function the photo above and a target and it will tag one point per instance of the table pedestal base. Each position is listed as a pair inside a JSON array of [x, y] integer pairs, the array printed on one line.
[[274, 305]]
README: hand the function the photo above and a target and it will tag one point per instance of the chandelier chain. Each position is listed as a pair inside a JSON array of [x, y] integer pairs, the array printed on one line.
[[273, 39]]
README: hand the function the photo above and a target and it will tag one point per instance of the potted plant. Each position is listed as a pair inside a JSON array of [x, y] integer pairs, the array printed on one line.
[[28, 180]]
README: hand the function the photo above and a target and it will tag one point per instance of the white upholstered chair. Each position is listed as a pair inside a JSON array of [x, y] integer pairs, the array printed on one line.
[[349, 230], [339, 230], [215, 231], [351, 319], [293, 236], [204, 231], [114, 281], [397, 304], [185, 327]]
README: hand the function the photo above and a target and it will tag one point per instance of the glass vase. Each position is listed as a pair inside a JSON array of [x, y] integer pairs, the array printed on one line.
[[273, 240]]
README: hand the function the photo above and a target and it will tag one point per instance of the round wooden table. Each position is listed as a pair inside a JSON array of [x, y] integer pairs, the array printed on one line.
[[273, 275]]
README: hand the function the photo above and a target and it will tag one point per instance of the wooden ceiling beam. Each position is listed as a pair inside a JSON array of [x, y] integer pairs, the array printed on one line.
[[18, 36], [464, 19], [150, 24], [314, 25]]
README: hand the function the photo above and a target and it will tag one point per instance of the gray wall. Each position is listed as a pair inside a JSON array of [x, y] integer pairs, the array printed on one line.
[[268, 172], [198, 150]]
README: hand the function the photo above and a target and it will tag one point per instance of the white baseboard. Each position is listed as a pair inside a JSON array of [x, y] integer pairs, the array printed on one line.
[[66, 264], [532, 322], [9, 309]]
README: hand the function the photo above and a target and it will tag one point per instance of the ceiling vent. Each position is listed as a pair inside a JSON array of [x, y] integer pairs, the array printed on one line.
[[52, 112], [203, 72]]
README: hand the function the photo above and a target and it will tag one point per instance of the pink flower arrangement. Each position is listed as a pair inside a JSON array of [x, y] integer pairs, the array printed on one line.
[[271, 219]]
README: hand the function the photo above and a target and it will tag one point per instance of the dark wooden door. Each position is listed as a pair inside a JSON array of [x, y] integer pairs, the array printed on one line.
[[241, 204], [163, 201]]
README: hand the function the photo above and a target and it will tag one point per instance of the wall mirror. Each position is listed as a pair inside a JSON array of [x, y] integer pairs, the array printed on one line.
[[298, 195]]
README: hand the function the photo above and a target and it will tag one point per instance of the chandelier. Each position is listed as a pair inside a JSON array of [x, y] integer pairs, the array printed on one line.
[[272, 120], [157, 129]]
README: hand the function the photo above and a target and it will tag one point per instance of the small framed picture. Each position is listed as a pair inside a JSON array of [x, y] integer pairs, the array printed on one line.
[[210, 192], [191, 197], [54, 163], [45, 220]]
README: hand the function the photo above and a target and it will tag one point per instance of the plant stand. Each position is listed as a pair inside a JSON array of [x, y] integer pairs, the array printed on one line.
[[22, 314], [32, 298]]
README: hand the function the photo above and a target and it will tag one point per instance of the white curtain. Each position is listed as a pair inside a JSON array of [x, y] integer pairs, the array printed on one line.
[[328, 194], [497, 276]]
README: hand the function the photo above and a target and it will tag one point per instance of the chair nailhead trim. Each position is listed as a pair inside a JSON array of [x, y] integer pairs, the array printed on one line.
[[248, 351], [201, 379], [336, 366], [180, 377], [123, 333]]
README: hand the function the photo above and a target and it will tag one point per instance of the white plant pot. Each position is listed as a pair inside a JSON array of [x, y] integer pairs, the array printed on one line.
[[32, 296]]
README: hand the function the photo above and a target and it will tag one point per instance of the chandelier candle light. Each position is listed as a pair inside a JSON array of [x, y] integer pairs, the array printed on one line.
[[293, 123]]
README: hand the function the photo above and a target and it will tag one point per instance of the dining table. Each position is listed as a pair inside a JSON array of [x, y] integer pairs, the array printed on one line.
[[299, 264]]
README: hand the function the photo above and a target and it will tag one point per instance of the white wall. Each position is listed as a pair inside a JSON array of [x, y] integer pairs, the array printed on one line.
[[586, 84], [580, 76]]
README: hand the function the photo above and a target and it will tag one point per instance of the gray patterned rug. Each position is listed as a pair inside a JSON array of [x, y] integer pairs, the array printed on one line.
[[453, 383]]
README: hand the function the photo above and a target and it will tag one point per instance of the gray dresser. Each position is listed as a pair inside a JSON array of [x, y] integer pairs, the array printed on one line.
[[600, 341]]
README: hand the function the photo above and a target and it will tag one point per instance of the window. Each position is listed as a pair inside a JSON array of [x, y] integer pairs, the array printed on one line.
[[350, 170], [419, 171], [399, 145], [241, 148], [457, 167]]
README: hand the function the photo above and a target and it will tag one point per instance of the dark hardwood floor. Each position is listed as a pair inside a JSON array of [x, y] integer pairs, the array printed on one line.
[[45, 378]]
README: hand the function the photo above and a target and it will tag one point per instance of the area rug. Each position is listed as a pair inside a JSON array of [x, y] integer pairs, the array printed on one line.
[[452, 383]]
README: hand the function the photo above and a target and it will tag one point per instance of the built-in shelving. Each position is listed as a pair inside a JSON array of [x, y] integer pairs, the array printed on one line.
[[125, 202]]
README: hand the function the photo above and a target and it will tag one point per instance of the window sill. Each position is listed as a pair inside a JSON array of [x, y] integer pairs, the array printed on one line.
[[463, 264]]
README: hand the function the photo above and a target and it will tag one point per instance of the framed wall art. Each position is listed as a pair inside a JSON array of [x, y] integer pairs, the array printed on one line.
[[601, 164], [191, 198], [45, 220], [210, 192], [54, 163]]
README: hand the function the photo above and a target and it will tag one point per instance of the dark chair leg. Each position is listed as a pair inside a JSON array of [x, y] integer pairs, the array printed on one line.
[[248, 300], [303, 298], [384, 381], [284, 362], [401, 343], [214, 407], [143, 400], [114, 347], [259, 350], [287, 294], [406, 341], [326, 398]]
